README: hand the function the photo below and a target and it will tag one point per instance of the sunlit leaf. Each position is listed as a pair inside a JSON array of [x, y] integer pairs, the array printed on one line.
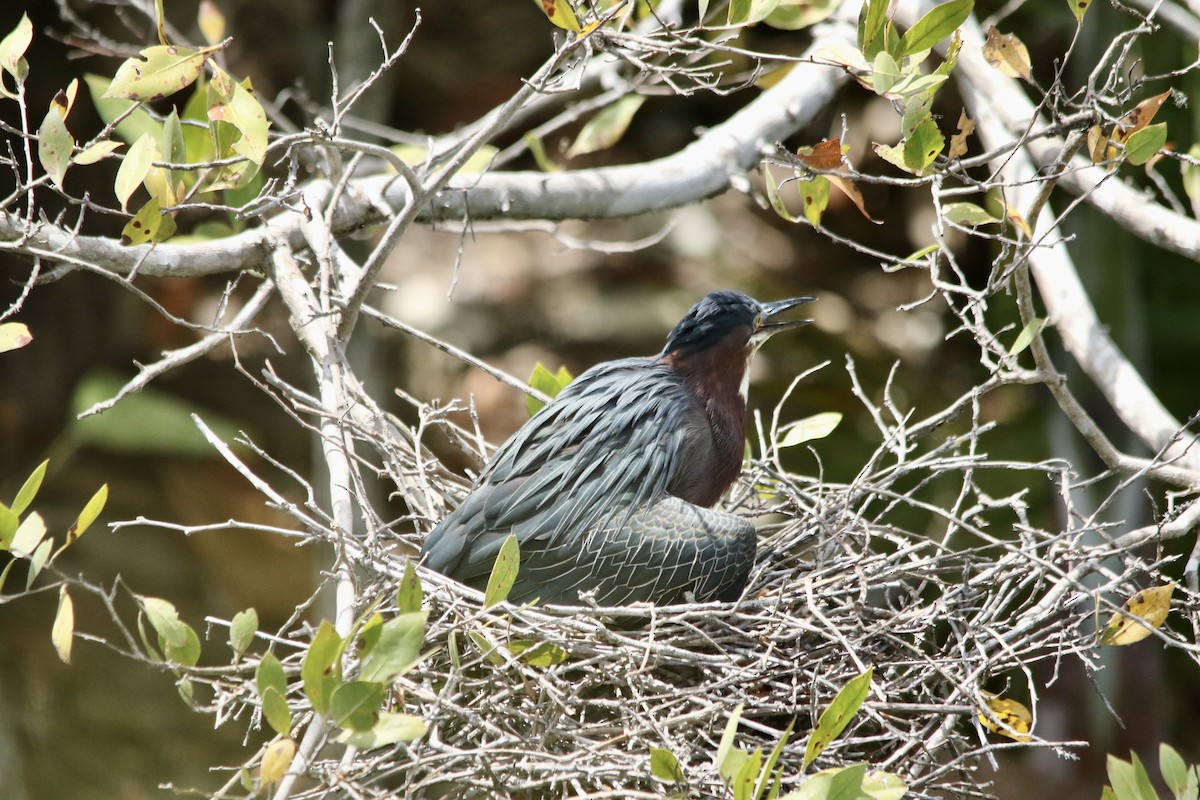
[[389, 728], [818, 426], [1129, 779], [318, 672], [538, 654], [941, 21], [160, 71], [356, 704], [275, 711], [134, 167], [276, 760], [923, 146], [749, 12], [1143, 145], [1027, 335], [397, 650], [88, 515], [880, 785], [95, 152], [1007, 717], [149, 224], [55, 143], [33, 483], [270, 675], [62, 632], [242, 628], [28, 536], [133, 123], [504, 573], [1174, 770], [665, 766], [13, 336], [1140, 116], [1150, 605], [967, 214], [234, 103], [814, 198], [1079, 8], [794, 15], [607, 127], [560, 13], [548, 383], [408, 593], [837, 716], [12, 52]]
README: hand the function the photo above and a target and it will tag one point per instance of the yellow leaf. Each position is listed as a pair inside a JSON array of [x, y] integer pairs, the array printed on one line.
[[1007, 53], [560, 13], [1152, 605], [276, 760], [1007, 718]]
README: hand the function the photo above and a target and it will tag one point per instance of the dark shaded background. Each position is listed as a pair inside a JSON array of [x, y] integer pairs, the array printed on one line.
[[105, 727]]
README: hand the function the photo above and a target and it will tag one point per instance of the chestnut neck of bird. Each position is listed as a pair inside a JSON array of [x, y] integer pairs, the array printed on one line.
[[718, 376]]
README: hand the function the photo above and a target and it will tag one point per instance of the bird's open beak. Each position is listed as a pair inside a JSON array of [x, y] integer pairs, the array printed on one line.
[[769, 326]]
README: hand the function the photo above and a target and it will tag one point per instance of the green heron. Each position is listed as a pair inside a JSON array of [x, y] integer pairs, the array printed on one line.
[[609, 487]]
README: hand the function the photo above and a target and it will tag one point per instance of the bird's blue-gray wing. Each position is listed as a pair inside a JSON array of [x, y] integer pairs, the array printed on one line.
[[571, 483]]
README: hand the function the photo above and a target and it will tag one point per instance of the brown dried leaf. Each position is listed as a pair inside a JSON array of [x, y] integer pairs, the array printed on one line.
[[1007, 53], [1140, 117], [958, 142], [827, 156]]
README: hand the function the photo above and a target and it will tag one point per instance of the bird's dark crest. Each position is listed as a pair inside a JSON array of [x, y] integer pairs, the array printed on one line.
[[711, 319]]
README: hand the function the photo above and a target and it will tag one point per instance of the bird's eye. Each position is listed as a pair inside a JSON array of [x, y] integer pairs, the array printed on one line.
[[758, 321]]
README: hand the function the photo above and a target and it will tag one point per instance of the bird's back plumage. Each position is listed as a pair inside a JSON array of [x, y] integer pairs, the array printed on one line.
[[599, 488]]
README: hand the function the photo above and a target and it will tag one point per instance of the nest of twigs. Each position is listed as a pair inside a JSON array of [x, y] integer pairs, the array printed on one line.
[[548, 702]]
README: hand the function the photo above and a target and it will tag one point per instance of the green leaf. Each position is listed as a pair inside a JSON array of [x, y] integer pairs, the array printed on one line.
[[487, 648], [165, 620], [880, 785], [923, 146], [1079, 8], [818, 426], [749, 12], [55, 143], [95, 152], [871, 21], [275, 711], [726, 745], [967, 214], [504, 573], [884, 72], [608, 126], [133, 123], [837, 716], [548, 383], [847, 782], [269, 675], [29, 489], [63, 630], [397, 650], [794, 16], [746, 776], [186, 654], [777, 202], [924, 251], [390, 728], [538, 654], [14, 335], [149, 224], [665, 766], [234, 103], [765, 778], [409, 594], [1129, 780], [1027, 335], [241, 631], [1143, 145], [1174, 770], [88, 515], [1191, 175], [161, 71], [356, 704], [537, 149], [941, 21], [317, 672], [814, 195]]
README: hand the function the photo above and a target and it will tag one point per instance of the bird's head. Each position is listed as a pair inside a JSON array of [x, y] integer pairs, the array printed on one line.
[[720, 334]]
